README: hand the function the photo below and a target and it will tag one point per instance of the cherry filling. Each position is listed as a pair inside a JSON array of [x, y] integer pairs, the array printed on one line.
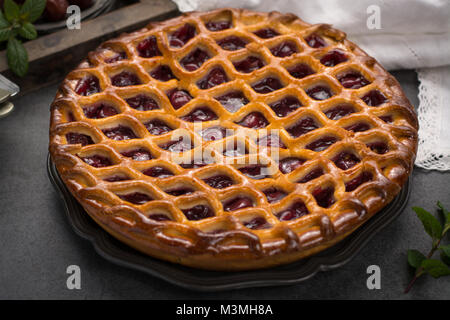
[[387, 118], [233, 100], [358, 127], [215, 77], [178, 98], [321, 144], [315, 41], [285, 106], [353, 80], [159, 217], [70, 117], [140, 154], [232, 43], [274, 195], [313, 174], [120, 133], [117, 177], [142, 102], [273, 141], [249, 64], [374, 98], [288, 165], [97, 161], [319, 92], [219, 181], [117, 57], [218, 25], [182, 35], [305, 125], [359, 180], [78, 138], [379, 147], [238, 203], [324, 197], [125, 79], [198, 212], [257, 223], [158, 172], [180, 192], [340, 111], [148, 48], [266, 33], [267, 85], [284, 49], [162, 73], [213, 133], [300, 70], [135, 197], [194, 164], [254, 120], [179, 145], [99, 111], [195, 59], [295, 211], [87, 86], [345, 160], [333, 58], [255, 171], [157, 127], [200, 114]]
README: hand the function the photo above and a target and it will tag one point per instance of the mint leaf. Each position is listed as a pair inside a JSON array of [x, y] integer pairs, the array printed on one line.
[[12, 10], [4, 34], [5, 27], [32, 10], [17, 57], [435, 268], [3, 22], [446, 250], [444, 211], [440, 205], [445, 254], [28, 31], [431, 225], [415, 258], [446, 216]]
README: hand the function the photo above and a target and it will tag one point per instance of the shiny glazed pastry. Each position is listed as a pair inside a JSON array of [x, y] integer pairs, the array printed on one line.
[[232, 139]]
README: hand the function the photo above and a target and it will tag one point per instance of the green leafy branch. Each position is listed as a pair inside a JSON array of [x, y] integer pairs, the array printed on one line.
[[17, 21], [425, 264]]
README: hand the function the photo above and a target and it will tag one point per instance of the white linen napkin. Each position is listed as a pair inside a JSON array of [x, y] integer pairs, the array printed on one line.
[[400, 34]]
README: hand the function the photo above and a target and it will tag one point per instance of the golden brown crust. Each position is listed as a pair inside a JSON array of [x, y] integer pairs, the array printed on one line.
[[233, 246]]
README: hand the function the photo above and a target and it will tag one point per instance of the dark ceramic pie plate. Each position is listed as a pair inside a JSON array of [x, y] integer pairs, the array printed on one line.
[[99, 7], [293, 273]]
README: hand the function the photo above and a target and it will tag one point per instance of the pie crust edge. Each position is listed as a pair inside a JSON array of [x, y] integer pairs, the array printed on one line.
[[206, 251]]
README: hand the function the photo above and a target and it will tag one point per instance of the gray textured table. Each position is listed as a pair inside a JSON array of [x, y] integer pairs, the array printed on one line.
[[37, 243]]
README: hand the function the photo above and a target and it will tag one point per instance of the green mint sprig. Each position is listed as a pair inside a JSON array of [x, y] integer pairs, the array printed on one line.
[[17, 21], [436, 230]]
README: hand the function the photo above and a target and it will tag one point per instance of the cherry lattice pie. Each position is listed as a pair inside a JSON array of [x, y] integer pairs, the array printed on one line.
[[232, 139]]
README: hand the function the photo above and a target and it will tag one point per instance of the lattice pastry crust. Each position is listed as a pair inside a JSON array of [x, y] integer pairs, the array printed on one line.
[[344, 143]]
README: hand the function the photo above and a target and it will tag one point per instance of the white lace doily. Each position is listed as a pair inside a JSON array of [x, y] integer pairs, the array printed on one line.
[[434, 119]]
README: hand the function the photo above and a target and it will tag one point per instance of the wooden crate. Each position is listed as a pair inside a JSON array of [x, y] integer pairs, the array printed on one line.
[[52, 56]]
